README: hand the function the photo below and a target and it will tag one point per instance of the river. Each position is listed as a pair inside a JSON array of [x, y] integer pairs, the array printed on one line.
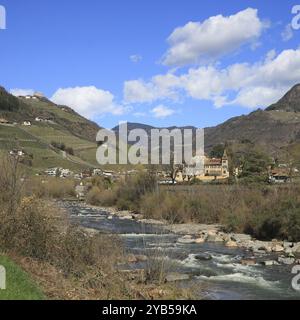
[[220, 278]]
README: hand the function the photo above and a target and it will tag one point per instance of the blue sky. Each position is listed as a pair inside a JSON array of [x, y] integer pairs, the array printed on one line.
[[184, 62]]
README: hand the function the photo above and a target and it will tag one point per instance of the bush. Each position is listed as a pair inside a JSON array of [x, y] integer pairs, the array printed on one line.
[[130, 192], [52, 188]]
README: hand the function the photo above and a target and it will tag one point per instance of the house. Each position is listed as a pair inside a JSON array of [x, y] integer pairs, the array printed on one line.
[[81, 191], [279, 175], [86, 174], [38, 95], [53, 172], [27, 123], [38, 119], [17, 153], [97, 172], [205, 169], [65, 173]]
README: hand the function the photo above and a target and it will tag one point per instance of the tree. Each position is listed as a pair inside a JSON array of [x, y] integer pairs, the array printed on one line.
[[172, 169], [217, 151]]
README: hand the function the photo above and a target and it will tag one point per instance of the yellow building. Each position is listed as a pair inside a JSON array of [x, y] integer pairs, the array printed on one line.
[[211, 169]]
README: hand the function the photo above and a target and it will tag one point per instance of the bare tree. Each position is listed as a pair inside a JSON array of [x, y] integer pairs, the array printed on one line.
[[10, 183]]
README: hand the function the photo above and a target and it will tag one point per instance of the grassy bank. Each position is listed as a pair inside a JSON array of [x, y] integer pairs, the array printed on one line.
[[19, 285]]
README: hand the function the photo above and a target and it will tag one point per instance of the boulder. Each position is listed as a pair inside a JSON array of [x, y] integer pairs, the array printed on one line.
[[132, 258], [289, 251], [214, 238], [248, 262], [141, 258], [231, 244], [287, 245], [287, 261], [127, 217], [174, 276], [200, 240], [239, 237], [296, 248], [203, 256], [258, 250], [269, 263], [277, 248], [186, 240]]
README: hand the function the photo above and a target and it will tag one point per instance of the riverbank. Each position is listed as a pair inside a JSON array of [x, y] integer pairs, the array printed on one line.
[[211, 269], [273, 252]]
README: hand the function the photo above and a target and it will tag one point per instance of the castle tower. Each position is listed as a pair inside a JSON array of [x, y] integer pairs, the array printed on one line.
[[225, 165]]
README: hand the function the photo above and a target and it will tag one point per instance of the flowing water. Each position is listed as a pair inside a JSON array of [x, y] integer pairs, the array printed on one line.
[[222, 277]]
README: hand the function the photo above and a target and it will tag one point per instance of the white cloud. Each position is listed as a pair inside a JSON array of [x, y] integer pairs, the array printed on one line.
[[287, 33], [88, 101], [203, 41], [160, 86], [135, 58], [248, 85], [254, 97], [22, 92], [162, 111], [138, 91]]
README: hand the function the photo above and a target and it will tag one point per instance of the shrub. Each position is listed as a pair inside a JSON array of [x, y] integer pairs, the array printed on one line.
[[130, 191]]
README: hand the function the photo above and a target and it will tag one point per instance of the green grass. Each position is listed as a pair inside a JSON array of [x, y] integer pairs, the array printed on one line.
[[19, 285], [49, 133]]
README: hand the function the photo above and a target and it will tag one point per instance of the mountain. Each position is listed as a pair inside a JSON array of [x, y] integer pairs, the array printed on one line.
[[273, 129], [59, 124], [290, 102]]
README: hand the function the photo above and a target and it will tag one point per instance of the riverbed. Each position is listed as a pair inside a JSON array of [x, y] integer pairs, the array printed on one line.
[[221, 278]]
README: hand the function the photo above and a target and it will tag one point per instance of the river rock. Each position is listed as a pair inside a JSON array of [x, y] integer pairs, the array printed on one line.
[[287, 245], [277, 248], [287, 261], [231, 244], [239, 237], [214, 238], [296, 248], [132, 258], [186, 240], [127, 217], [261, 247], [248, 262], [203, 256], [200, 240], [174, 276], [269, 263], [141, 258]]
